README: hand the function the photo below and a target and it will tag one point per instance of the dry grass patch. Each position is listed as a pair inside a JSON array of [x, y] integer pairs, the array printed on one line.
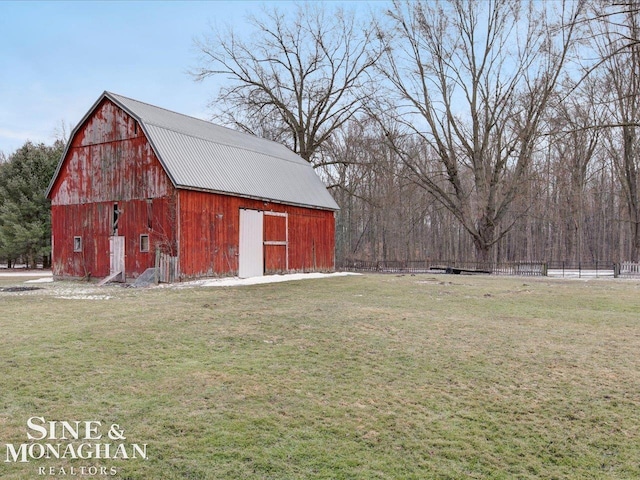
[[351, 377]]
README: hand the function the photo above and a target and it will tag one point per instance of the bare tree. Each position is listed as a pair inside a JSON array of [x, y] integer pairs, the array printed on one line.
[[616, 39], [383, 215], [575, 140], [300, 77], [61, 131], [473, 81]]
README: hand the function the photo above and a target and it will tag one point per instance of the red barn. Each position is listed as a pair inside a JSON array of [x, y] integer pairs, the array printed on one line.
[[142, 187]]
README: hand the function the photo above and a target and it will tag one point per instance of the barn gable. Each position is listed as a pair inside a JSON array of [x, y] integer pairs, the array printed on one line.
[[199, 155], [97, 166]]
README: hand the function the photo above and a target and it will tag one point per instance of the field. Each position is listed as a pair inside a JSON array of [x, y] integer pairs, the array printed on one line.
[[362, 377]]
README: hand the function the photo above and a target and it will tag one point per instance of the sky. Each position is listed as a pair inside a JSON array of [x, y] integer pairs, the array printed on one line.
[[57, 57]]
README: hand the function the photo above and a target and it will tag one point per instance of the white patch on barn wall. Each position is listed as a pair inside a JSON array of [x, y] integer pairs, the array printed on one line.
[[251, 251]]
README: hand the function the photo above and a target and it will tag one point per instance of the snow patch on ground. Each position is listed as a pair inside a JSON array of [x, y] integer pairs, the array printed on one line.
[[41, 280], [74, 292], [25, 273], [83, 297], [70, 290], [235, 281]]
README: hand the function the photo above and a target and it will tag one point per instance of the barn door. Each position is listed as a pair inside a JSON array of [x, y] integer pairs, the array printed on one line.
[[251, 255], [276, 242], [116, 255]]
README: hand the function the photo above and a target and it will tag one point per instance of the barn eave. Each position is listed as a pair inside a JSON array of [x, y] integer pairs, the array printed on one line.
[[253, 197]]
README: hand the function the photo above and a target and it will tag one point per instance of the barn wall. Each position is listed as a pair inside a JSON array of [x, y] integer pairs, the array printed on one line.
[[110, 161], [210, 222], [92, 222], [311, 240]]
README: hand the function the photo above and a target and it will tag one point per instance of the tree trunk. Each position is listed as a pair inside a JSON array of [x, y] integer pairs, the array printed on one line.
[[483, 242]]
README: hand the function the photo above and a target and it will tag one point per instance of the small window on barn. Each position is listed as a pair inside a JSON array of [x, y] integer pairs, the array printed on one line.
[[150, 213], [144, 243], [114, 223], [77, 244]]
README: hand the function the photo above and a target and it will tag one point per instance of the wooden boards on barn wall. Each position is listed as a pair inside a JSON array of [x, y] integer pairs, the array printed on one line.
[[276, 242]]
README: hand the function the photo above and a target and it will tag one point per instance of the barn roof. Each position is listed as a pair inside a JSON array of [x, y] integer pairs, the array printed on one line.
[[200, 155]]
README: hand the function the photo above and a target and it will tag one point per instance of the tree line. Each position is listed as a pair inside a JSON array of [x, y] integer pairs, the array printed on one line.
[[25, 219], [500, 130]]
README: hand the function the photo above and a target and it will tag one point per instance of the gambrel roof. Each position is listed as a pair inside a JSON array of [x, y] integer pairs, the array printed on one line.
[[200, 155]]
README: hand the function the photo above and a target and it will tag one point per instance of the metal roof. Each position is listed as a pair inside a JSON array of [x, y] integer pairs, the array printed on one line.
[[200, 155]]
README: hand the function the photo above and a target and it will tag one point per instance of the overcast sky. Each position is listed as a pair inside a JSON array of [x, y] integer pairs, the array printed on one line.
[[57, 57]]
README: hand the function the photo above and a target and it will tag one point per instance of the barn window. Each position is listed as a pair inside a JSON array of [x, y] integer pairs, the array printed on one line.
[[150, 213], [77, 244], [116, 214], [144, 243]]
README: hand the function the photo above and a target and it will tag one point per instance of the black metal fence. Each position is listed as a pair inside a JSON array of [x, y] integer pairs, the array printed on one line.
[[539, 269], [444, 266]]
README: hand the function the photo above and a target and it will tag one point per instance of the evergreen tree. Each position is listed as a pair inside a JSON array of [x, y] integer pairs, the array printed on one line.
[[25, 216]]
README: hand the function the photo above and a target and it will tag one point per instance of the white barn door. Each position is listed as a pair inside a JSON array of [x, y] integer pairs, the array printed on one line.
[[116, 255], [251, 251]]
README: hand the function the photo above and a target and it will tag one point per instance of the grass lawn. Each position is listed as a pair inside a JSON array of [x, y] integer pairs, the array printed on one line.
[[365, 377]]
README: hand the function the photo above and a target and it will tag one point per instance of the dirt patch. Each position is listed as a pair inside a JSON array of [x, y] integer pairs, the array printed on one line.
[[19, 289]]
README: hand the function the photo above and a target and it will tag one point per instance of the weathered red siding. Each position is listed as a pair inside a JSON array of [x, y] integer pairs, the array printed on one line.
[[92, 222], [275, 243], [110, 159], [211, 223], [275, 228], [110, 162], [311, 240]]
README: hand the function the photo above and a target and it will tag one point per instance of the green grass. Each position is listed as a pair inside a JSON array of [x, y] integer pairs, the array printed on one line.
[[381, 377]]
